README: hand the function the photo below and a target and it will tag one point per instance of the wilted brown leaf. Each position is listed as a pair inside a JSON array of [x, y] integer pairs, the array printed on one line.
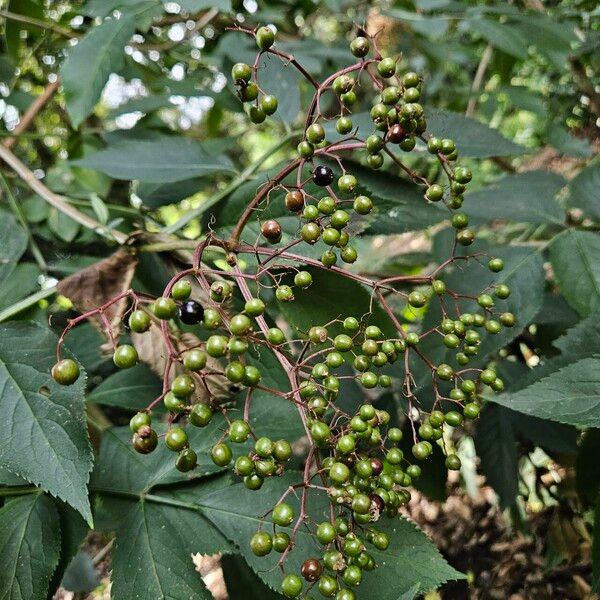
[[97, 284]]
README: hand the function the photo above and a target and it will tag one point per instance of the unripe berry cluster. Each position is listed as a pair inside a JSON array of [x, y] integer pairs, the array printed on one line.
[[354, 455]]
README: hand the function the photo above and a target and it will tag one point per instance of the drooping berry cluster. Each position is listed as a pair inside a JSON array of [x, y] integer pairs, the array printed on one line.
[[354, 456]]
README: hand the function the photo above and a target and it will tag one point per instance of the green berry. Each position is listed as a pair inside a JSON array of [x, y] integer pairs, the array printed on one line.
[[139, 321], [216, 345], [200, 415], [221, 454], [302, 279], [496, 265], [165, 308], [386, 67], [194, 360], [241, 73], [176, 439], [181, 290], [65, 371], [268, 104], [254, 307], [291, 586], [265, 37], [186, 461], [125, 356], [283, 514], [360, 46], [261, 543], [138, 420]]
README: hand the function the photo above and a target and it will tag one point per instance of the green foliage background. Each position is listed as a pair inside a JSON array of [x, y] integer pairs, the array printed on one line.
[[145, 135]]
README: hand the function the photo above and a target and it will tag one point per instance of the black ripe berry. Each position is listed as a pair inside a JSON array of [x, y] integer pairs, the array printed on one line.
[[191, 312], [322, 175]]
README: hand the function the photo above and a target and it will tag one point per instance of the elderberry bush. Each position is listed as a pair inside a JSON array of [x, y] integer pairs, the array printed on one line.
[[353, 456]]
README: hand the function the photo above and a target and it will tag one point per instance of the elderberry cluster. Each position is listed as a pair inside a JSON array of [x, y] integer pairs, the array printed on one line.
[[355, 456]]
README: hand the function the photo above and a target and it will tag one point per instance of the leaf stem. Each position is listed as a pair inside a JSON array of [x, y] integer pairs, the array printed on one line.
[[57, 201], [16, 308]]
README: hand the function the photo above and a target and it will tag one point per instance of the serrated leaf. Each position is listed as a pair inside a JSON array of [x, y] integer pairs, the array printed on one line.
[[525, 198], [584, 191], [157, 161], [565, 143], [131, 388], [570, 395], [472, 138], [496, 446], [152, 558], [320, 303], [523, 273], [156, 523], [29, 547], [42, 424], [411, 558], [575, 258], [242, 582], [399, 205], [501, 36], [86, 69]]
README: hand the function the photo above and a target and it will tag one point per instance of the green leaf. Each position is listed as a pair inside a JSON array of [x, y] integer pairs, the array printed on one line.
[[162, 160], [320, 303], [131, 388], [14, 244], [242, 582], [525, 198], [152, 559], [565, 143], [158, 194], [29, 546], [88, 65], [501, 36], [570, 395], [156, 527], [584, 191], [22, 282], [575, 258], [496, 446], [62, 226], [399, 205], [42, 424], [81, 575], [472, 137], [411, 558]]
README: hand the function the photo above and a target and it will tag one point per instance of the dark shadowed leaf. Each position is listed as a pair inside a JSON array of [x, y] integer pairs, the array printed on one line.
[[525, 198], [156, 161], [88, 65], [42, 424], [29, 546], [575, 257]]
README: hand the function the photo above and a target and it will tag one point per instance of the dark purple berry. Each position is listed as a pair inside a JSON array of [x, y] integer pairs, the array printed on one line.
[[322, 175], [191, 312]]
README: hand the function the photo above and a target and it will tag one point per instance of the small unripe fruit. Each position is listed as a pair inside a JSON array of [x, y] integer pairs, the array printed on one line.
[[65, 371]]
